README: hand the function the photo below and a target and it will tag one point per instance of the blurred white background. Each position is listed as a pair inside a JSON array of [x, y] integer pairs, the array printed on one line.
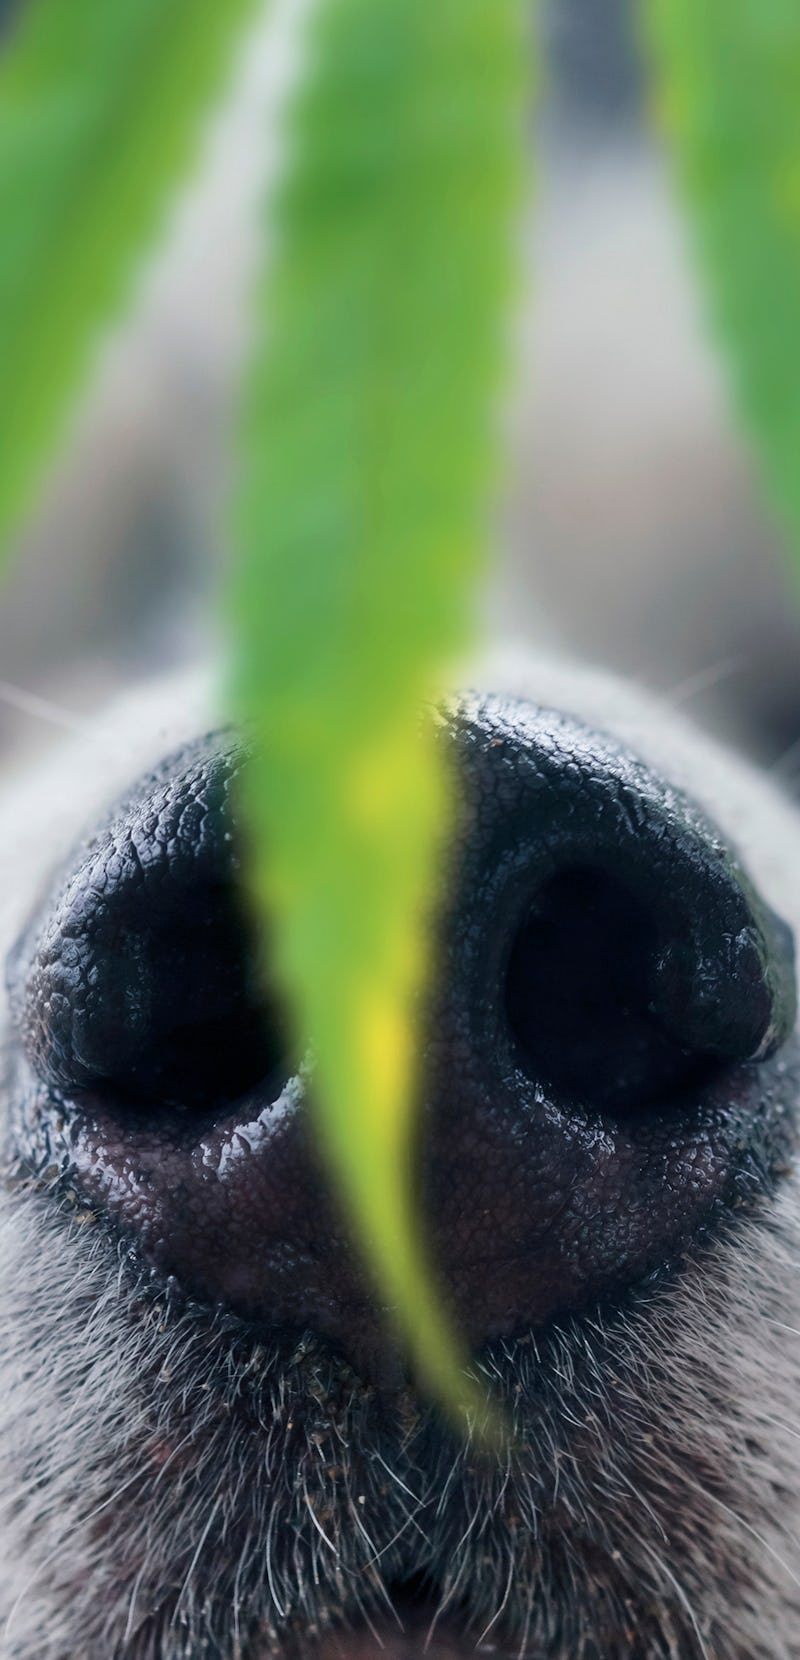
[[635, 534]]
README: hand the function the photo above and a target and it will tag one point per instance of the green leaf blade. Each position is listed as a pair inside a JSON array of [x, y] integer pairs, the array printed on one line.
[[100, 111], [729, 84], [371, 449]]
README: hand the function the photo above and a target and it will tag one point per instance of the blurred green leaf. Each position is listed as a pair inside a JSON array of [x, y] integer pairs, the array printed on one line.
[[100, 107], [371, 440], [728, 80]]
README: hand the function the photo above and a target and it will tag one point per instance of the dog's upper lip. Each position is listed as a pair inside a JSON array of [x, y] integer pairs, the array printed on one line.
[[423, 1643], [423, 1626]]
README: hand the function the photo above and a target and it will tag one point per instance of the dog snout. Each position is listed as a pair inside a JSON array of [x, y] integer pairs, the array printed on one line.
[[600, 1063]]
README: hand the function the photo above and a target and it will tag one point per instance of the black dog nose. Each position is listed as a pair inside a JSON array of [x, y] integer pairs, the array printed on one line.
[[611, 979], [607, 980]]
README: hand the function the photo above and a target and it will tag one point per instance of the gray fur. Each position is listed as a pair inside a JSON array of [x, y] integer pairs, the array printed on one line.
[[170, 1490]]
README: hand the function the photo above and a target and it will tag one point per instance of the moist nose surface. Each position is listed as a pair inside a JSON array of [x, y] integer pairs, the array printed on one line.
[[145, 978], [601, 1069], [616, 995]]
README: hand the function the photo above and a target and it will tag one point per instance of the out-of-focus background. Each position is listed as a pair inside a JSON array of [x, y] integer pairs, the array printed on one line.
[[635, 533]]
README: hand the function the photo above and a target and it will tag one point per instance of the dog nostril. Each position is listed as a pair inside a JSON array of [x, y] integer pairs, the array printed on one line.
[[604, 940], [579, 984], [199, 1031], [146, 982]]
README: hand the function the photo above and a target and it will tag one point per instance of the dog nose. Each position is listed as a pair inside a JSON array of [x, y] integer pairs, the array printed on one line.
[[601, 1076], [600, 1079]]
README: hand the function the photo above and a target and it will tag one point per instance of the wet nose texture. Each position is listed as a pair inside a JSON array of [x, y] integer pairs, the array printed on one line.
[[602, 1081]]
